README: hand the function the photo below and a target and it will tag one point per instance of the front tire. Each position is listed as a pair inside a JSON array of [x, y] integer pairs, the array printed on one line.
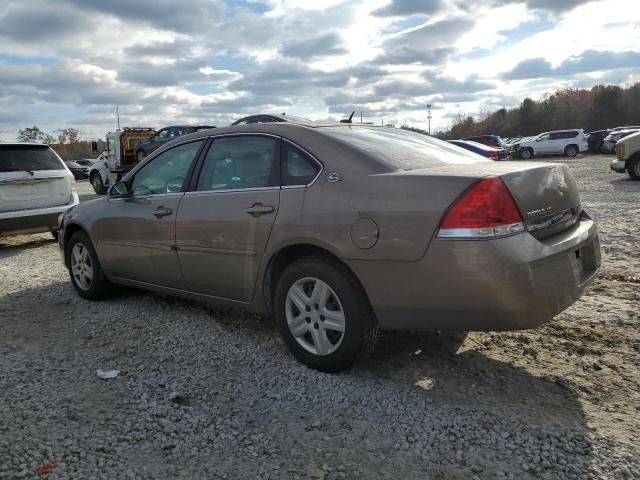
[[526, 153], [324, 315], [87, 277], [97, 183], [634, 169]]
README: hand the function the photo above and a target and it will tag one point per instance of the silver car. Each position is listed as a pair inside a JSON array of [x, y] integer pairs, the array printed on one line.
[[339, 231]]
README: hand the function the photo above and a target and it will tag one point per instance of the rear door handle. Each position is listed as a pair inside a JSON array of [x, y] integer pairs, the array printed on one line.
[[258, 209], [162, 212]]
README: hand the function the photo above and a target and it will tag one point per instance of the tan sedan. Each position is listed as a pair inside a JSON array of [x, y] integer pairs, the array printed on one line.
[[339, 231]]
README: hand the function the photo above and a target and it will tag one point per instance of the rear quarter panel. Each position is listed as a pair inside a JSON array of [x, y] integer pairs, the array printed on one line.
[[405, 208]]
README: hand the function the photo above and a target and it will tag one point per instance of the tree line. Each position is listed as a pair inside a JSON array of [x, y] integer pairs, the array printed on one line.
[[603, 106], [65, 141]]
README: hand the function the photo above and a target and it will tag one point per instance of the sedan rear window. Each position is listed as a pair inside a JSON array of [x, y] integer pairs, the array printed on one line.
[[402, 149], [29, 158]]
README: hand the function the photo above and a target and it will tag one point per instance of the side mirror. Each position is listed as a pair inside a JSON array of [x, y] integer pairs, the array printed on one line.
[[119, 190], [94, 148]]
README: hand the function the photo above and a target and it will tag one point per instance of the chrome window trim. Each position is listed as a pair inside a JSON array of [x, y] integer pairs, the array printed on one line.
[[155, 195], [287, 187], [232, 190]]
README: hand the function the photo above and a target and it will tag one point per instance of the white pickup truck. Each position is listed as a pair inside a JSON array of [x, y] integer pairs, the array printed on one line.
[[628, 156]]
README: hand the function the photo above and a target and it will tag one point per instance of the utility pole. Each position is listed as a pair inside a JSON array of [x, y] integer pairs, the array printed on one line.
[[429, 117], [118, 116], [360, 116]]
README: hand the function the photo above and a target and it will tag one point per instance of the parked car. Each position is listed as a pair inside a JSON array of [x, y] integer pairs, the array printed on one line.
[[481, 149], [595, 140], [35, 188], [609, 142], [628, 127], [80, 172], [490, 140], [165, 135], [86, 162], [269, 118], [280, 219], [560, 142], [628, 156]]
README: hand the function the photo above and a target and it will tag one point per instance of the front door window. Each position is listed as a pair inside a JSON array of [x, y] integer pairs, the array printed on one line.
[[167, 172]]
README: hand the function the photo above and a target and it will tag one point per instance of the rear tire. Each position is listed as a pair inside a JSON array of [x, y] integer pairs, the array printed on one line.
[[54, 234], [634, 169], [317, 285], [571, 151], [97, 183], [526, 153], [87, 277]]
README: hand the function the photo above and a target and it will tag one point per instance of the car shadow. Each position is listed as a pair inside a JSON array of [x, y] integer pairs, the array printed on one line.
[[422, 405], [626, 184], [452, 374], [10, 246]]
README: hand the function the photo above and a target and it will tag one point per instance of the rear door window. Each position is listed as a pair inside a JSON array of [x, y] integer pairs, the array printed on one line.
[[17, 158], [245, 161]]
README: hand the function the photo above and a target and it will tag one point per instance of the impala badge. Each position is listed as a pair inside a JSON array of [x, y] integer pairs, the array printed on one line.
[[333, 177], [538, 212]]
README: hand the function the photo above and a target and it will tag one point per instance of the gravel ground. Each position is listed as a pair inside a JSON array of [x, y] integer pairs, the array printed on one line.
[[207, 393]]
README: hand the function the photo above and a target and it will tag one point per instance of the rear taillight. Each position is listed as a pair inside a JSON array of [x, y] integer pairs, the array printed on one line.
[[486, 209], [493, 155]]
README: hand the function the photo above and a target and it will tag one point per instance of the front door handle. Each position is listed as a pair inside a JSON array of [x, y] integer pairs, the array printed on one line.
[[258, 209], [162, 212]]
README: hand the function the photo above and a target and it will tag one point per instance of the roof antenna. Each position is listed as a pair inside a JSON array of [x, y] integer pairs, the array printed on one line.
[[348, 120], [118, 116]]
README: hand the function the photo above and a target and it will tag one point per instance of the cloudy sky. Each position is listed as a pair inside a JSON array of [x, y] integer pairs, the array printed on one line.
[[68, 63]]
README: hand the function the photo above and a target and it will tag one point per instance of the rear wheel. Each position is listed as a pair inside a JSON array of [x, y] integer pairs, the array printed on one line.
[[54, 234], [526, 153], [571, 150], [324, 315], [87, 276], [634, 169], [97, 183]]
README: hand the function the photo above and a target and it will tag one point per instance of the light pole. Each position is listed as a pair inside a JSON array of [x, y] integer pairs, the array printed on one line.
[[429, 117]]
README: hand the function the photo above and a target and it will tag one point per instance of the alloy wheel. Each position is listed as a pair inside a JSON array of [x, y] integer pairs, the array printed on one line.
[[81, 266], [315, 316]]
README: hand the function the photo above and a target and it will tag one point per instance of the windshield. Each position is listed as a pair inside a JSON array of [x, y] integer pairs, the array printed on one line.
[[402, 149], [29, 158]]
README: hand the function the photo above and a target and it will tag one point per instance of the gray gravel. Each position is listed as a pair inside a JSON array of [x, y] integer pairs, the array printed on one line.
[[206, 393]]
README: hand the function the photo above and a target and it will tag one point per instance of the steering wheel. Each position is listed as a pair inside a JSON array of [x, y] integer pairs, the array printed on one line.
[[175, 184]]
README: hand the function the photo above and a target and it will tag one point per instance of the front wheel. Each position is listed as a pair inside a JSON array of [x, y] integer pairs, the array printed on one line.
[[324, 315], [526, 153], [634, 169], [97, 183], [86, 274]]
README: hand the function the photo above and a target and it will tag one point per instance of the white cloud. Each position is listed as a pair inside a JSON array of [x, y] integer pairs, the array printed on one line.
[[211, 62]]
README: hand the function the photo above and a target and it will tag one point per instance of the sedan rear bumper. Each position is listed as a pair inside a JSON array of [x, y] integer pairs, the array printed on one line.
[[510, 283]]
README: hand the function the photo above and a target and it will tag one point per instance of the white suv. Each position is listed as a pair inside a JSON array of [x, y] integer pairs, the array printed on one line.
[[559, 142], [35, 188]]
